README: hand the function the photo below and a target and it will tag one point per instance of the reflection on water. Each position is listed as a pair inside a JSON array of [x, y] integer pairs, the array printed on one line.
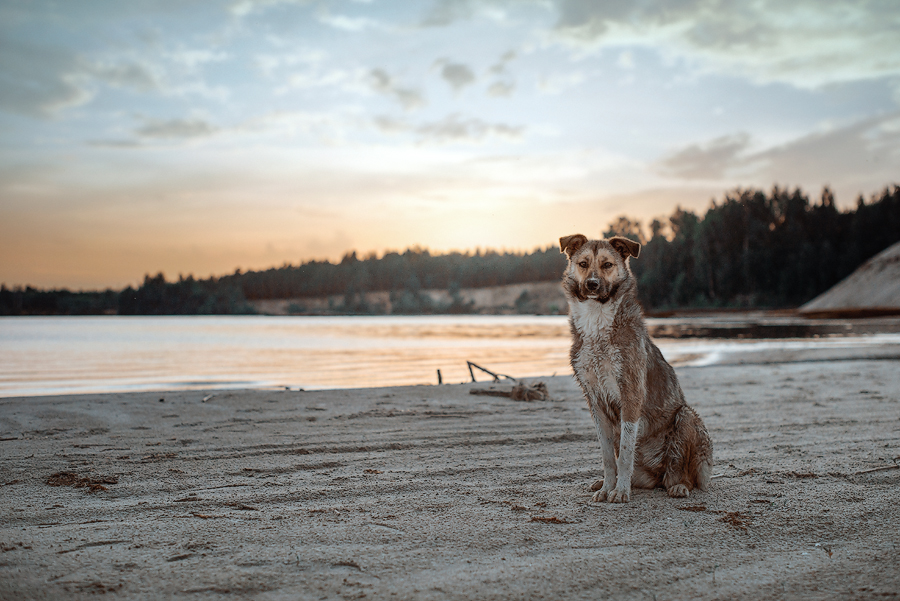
[[59, 355], [63, 355]]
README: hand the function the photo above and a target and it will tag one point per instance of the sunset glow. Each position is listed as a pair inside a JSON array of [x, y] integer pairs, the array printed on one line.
[[199, 138]]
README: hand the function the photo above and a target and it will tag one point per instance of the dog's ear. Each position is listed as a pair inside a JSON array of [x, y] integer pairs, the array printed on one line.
[[625, 247], [571, 244]]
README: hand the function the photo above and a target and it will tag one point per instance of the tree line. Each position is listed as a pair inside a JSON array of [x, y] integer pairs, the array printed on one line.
[[751, 249], [758, 250]]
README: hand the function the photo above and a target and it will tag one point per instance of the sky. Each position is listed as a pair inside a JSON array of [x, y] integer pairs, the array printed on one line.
[[200, 137]]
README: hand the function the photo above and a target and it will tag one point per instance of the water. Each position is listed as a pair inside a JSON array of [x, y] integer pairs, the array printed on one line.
[[65, 355], [69, 355]]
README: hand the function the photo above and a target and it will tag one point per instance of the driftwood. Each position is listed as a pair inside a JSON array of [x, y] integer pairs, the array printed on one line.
[[519, 392], [878, 469], [487, 371]]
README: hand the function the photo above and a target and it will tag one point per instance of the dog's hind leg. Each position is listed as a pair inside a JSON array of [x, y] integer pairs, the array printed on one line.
[[688, 456]]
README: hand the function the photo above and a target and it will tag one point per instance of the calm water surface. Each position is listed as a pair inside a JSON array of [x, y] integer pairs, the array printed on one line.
[[65, 355], [61, 355]]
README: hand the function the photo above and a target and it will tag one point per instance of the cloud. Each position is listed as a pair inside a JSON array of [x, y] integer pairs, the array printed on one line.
[[499, 67], [270, 63], [709, 160], [500, 89], [193, 58], [390, 125], [243, 8], [176, 129], [625, 60], [320, 78], [805, 43], [381, 82], [135, 76], [352, 24], [114, 143], [505, 85], [447, 12], [557, 83], [329, 128], [863, 155], [39, 81], [457, 75], [451, 129]]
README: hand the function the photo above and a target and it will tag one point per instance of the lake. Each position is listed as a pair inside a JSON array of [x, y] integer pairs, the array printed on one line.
[[70, 355]]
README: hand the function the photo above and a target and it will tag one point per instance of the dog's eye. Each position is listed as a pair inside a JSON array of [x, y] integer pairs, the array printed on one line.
[[583, 264], [607, 265]]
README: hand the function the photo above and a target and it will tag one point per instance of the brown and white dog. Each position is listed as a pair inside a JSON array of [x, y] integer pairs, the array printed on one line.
[[632, 392]]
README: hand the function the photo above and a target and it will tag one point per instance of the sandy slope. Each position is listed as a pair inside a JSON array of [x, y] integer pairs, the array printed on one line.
[[874, 285], [431, 493]]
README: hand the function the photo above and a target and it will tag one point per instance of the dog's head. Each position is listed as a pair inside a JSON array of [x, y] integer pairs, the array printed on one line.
[[598, 269]]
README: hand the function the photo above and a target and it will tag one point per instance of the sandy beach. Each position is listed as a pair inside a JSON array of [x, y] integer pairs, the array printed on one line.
[[429, 492]]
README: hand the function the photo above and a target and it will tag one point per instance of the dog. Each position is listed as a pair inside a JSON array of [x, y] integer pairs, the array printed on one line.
[[631, 391]]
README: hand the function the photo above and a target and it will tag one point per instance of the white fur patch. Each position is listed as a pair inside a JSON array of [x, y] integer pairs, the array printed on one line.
[[593, 319], [598, 364], [627, 443]]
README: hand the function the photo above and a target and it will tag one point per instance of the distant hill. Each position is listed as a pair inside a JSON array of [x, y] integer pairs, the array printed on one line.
[[536, 298]]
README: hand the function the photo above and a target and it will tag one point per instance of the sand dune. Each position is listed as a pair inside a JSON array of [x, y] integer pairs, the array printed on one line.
[[873, 289]]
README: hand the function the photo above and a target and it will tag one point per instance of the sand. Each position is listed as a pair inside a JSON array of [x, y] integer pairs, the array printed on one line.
[[432, 493], [874, 288]]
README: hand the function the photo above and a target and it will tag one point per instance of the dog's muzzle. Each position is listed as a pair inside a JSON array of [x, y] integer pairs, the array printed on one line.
[[592, 285]]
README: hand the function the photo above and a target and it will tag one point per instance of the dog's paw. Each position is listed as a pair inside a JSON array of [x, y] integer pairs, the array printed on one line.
[[679, 490], [602, 491], [618, 496]]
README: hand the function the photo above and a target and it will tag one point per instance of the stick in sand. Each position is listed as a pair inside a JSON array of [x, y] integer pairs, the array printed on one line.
[[487, 371]]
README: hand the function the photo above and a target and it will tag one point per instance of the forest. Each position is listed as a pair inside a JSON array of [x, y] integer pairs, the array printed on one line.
[[750, 249]]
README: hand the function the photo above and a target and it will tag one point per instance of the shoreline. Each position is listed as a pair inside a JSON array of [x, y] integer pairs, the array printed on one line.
[[431, 492], [99, 355]]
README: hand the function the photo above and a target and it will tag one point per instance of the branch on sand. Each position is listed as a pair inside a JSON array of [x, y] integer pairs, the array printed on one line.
[[519, 392], [487, 371]]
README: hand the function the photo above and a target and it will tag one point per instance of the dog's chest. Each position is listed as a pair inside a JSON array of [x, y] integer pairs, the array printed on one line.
[[598, 362]]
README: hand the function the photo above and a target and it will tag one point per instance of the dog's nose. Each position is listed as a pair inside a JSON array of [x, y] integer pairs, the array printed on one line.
[[592, 285]]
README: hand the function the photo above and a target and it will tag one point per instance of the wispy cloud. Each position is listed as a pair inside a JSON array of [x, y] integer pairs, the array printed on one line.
[[805, 43], [451, 129], [351, 24], [457, 75], [176, 129], [447, 12], [709, 160], [557, 82], [132, 75], [500, 89], [845, 156], [42, 80], [39, 80], [195, 57], [381, 82], [243, 8]]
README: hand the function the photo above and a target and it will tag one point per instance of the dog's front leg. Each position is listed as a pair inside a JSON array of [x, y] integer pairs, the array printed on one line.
[[634, 390], [625, 463], [606, 434]]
